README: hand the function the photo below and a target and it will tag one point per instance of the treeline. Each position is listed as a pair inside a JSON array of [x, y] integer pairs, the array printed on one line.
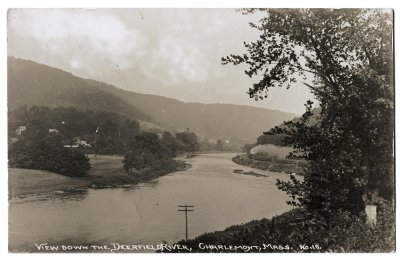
[[106, 132], [46, 152], [151, 149], [47, 139], [277, 140], [57, 139]]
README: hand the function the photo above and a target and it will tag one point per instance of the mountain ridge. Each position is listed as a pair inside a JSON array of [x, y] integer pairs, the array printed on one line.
[[31, 83], [188, 102]]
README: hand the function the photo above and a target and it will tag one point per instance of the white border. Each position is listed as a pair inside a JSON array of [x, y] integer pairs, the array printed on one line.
[[5, 4]]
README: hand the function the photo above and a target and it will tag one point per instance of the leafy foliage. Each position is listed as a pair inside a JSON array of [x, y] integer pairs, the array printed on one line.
[[279, 139], [108, 133], [344, 56], [275, 139], [296, 229], [47, 153], [150, 149], [189, 139], [247, 147]]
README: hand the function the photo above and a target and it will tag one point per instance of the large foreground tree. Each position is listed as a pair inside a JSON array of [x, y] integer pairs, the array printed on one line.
[[344, 56]]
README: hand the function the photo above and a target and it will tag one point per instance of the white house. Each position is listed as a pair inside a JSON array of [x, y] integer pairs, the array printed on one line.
[[20, 129], [83, 143], [71, 146], [53, 131]]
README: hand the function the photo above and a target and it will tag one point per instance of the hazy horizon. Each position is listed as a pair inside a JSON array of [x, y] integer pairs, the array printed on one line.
[[173, 53], [188, 102]]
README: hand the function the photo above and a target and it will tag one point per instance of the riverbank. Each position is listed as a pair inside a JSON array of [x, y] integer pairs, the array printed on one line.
[[282, 167], [106, 172], [293, 232]]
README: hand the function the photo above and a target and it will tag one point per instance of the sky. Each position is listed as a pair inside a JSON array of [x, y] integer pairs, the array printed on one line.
[[169, 52]]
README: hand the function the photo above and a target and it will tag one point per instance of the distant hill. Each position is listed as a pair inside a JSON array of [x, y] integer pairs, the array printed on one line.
[[215, 121], [278, 139], [30, 83]]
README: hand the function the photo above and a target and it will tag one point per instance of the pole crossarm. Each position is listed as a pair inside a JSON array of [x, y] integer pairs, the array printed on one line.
[[186, 208]]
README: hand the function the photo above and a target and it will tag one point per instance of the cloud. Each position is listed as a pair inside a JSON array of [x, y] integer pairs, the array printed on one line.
[[173, 61], [75, 64], [170, 46], [98, 33], [184, 46], [170, 52]]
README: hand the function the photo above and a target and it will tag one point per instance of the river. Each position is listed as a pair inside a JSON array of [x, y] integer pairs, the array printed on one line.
[[147, 213]]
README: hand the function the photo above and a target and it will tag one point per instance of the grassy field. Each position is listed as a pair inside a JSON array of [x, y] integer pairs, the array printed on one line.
[[106, 171], [29, 181]]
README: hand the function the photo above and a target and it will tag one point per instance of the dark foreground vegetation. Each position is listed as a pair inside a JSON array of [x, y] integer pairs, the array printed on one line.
[[297, 231], [345, 58]]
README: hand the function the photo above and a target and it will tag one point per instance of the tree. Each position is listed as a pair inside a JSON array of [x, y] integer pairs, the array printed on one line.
[[47, 153], [219, 145], [247, 147], [274, 139], [114, 133], [189, 139], [173, 146], [145, 150], [344, 56]]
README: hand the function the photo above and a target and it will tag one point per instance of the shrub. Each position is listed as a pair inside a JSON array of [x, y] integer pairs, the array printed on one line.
[[48, 154], [344, 233]]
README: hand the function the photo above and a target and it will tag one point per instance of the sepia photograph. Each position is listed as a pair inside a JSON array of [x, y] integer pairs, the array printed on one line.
[[200, 130]]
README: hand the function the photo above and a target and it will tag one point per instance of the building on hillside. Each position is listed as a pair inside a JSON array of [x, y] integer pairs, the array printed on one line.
[[53, 131], [78, 143], [71, 146], [82, 143], [20, 129]]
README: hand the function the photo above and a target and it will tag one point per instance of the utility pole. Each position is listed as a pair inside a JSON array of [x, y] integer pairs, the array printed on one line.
[[185, 209]]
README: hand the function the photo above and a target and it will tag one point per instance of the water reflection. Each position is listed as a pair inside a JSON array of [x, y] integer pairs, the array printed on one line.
[[57, 196], [152, 183], [147, 213]]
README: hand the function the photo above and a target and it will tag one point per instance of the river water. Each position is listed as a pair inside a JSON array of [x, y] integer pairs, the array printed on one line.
[[147, 213]]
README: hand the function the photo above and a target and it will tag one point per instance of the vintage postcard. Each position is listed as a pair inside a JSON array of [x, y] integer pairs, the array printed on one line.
[[200, 130]]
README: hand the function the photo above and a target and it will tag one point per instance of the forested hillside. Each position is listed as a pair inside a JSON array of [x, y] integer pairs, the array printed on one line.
[[30, 83], [105, 132]]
